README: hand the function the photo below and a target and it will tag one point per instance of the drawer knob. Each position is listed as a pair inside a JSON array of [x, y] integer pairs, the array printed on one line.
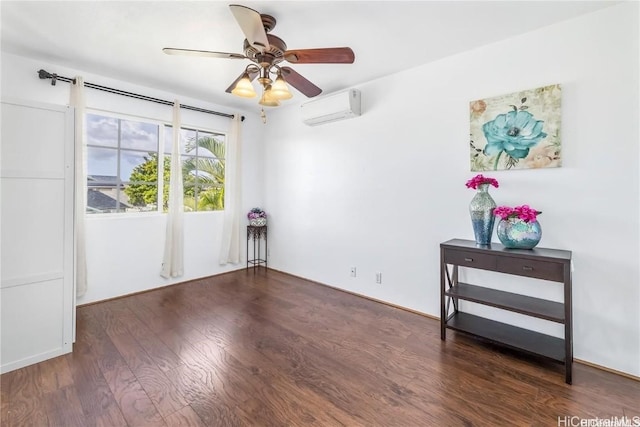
[[527, 268], [468, 259]]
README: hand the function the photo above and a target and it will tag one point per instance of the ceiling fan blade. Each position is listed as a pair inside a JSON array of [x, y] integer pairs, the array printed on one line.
[[330, 55], [302, 84], [205, 53], [252, 75], [251, 24]]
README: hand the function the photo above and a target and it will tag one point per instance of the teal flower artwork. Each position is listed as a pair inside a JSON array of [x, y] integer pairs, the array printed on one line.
[[516, 131], [513, 133]]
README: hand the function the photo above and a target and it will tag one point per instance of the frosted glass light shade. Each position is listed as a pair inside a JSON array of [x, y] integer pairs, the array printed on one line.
[[279, 89], [244, 88], [267, 99]]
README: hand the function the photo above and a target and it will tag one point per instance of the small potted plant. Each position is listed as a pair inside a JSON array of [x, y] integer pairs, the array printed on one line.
[[257, 217]]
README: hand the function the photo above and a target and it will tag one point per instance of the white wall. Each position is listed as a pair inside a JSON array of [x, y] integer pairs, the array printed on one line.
[[381, 191], [125, 251]]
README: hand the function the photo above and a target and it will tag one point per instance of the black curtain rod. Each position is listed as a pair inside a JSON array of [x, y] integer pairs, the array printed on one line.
[[54, 78]]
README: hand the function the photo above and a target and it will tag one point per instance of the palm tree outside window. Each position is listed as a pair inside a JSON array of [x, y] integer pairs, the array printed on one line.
[[203, 167]]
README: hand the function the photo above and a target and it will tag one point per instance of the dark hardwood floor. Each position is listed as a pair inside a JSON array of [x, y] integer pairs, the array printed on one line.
[[269, 349]]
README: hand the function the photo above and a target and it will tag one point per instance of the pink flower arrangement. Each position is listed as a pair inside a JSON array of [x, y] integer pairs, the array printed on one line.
[[256, 213], [523, 212], [479, 180]]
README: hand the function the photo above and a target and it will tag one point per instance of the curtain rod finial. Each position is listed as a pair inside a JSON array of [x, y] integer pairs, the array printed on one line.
[[44, 74]]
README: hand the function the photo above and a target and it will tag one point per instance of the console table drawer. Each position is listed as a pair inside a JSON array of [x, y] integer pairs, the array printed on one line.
[[470, 259], [531, 268]]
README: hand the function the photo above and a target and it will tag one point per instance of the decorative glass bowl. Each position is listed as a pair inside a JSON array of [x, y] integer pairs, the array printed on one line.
[[514, 233]]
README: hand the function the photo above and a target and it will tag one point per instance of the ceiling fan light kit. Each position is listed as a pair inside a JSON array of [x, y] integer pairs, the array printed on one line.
[[266, 51]]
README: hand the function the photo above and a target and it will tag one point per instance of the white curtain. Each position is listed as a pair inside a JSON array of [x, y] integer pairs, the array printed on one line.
[[230, 249], [77, 101], [173, 262]]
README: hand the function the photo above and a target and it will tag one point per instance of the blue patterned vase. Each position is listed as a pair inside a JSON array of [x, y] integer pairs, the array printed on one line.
[[514, 233], [481, 211]]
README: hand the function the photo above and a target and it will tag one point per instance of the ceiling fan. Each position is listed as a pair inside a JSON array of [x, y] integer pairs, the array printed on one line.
[[266, 52]]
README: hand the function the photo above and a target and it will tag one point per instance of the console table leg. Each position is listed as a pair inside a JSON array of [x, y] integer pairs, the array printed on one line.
[[568, 326], [443, 314]]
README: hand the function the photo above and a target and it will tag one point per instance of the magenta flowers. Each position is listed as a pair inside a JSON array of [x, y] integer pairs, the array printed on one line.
[[479, 180], [523, 212]]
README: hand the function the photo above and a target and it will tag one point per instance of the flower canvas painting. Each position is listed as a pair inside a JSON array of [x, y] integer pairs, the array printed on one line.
[[520, 130]]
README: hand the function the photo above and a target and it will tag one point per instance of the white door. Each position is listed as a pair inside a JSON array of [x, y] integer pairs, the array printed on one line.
[[37, 299]]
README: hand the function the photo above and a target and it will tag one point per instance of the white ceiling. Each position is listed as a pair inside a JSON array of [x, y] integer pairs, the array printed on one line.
[[124, 40]]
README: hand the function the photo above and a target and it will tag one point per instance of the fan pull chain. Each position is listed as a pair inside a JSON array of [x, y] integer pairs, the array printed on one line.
[[263, 115]]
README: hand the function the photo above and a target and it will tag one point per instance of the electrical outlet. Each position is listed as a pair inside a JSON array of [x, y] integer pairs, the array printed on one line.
[[378, 277], [353, 272]]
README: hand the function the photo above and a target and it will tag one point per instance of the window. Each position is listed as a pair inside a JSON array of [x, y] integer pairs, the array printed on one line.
[[202, 155], [128, 170]]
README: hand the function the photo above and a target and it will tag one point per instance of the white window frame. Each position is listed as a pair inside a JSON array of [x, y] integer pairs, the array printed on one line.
[[160, 151]]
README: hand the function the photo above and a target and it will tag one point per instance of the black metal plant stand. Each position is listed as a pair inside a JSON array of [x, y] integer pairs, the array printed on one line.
[[257, 234]]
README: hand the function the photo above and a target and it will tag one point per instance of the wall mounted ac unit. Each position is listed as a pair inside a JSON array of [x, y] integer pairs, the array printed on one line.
[[330, 108]]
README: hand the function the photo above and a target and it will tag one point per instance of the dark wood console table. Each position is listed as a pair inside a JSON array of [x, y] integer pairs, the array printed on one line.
[[538, 263]]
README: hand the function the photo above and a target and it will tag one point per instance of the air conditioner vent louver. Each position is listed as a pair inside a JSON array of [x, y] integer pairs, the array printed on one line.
[[330, 108]]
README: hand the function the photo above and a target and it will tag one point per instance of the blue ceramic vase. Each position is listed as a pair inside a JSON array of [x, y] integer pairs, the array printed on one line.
[[481, 210], [514, 233]]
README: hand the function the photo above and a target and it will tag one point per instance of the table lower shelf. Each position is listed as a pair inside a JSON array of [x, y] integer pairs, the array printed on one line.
[[509, 336], [544, 309]]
